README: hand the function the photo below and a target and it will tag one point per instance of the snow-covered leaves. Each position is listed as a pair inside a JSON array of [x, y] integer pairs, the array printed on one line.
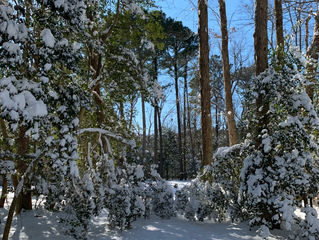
[[201, 200], [283, 166], [48, 38]]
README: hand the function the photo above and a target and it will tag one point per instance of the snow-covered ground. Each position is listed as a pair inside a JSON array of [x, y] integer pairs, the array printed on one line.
[[40, 224]]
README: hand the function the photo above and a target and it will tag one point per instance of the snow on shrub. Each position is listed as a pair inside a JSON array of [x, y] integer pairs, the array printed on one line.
[[161, 193], [283, 167], [201, 200]]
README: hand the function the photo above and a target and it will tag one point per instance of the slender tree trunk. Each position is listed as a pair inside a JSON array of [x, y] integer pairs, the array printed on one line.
[[179, 128], [17, 193], [279, 29], [197, 137], [261, 61], [312, 57], [216, 125], [24, 200], [132, 104], [207, 141], [307, 32], [161, 159], [155, 134], [7, 227], [155, 111], [4, 191], [184, 121], [190, 132], [122, 114], [144, 129], [260, 36], [232, 132], [299, 27]]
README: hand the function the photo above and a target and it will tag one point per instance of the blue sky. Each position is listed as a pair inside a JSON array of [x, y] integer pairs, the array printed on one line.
[[186, 11]]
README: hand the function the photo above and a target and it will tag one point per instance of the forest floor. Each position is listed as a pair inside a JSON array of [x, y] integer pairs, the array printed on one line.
[[40, 224]]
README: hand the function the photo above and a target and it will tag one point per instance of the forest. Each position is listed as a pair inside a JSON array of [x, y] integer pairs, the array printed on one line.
[[116, 110]]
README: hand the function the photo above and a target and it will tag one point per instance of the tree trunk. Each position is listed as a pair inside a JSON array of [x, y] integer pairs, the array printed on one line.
[[7, 227], [4, 177], [190, 132], [179, 129], [260, 36], [312, 57], [216, 125], [307, 32], [144, 130], [4, 191], [197, 137], [232, 132], [184, 121], [132, 104], [299, 27], [261, 61], [155, 134], [24, 199], [279, 30], [155, 111], [207, 141], [161, 160]]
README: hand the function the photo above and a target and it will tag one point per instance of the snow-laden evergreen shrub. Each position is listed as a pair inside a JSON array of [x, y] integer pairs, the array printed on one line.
[[215, 191], [309, 227], [225, 171], [284, 166], [129, 194], [162, 201], [201, 200], [125, 201]]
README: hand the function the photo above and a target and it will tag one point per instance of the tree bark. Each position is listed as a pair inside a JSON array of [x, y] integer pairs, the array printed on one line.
[[184, 121], [161, 159], [7, 227], [4, 177], [4, 191], [279, 30], [260, 36], [232, 132], [155, 133], [216, 125], [261, 61], [155, 111], [24, 199], [179, 128], [190, 132], [144, 130], [307, 32], [207, 141]]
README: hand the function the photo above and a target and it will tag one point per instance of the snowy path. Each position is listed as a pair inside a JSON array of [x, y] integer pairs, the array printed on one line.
[[39, 226], [178, 229]]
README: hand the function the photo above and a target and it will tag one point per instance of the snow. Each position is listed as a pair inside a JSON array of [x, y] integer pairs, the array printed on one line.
[[48, 38], [47, 67], [109, 134], [40, 224], [139, 172]]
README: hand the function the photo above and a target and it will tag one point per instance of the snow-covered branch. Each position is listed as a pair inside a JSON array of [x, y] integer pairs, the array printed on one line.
[[109, 134]]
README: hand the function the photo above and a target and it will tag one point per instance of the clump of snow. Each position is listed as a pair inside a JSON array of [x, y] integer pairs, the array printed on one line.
[[48, 38], [47, 67], [139, 173]]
